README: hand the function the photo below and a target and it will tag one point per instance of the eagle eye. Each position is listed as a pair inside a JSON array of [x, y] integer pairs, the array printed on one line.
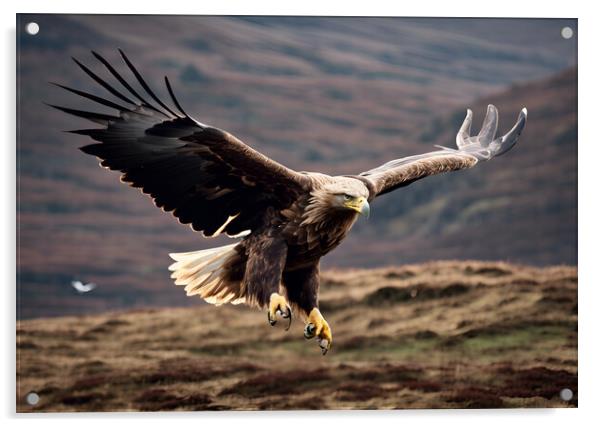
[[347, 197]]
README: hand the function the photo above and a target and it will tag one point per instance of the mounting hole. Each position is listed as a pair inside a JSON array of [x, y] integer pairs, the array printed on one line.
[[32, 28], [566, 394], [32, 398], [566, 33]]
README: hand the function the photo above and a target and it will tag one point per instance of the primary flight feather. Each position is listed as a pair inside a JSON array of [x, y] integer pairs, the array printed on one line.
[[285, 220]]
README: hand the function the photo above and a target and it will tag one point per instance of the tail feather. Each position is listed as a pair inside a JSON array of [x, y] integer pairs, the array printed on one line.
[[188, 275], [204, 283], [202, 273]]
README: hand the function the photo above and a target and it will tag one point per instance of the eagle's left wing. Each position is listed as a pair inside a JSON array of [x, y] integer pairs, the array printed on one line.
[[471, 150]]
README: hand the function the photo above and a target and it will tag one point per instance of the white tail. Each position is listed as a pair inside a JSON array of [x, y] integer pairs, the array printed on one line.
[[201, 273]]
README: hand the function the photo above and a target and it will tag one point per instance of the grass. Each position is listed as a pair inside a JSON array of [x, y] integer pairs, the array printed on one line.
[[437, 335], [399, 349]]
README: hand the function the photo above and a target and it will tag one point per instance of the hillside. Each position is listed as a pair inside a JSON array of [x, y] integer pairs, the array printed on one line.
[[521, 207], [323, 94], [435, 335]]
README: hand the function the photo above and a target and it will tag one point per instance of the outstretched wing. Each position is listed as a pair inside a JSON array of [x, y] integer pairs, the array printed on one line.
[[471, 150], [203, 175]]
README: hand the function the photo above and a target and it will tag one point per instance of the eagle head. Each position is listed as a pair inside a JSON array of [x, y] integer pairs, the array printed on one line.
[[340, 194], [348, 193]]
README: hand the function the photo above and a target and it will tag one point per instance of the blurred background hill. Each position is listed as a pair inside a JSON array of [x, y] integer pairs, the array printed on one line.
[[336, 95]]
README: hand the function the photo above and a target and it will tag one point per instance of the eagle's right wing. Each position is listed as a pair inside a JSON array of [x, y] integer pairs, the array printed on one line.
[[471, 150], [205, 176]]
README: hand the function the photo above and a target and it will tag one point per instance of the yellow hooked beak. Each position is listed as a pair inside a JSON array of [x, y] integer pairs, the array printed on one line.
[[360, 205]]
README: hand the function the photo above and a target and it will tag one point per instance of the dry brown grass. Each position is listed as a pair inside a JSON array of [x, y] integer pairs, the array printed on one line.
[[435, 335]]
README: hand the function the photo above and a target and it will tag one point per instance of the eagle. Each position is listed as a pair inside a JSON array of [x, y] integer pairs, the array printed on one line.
[[284, 221]]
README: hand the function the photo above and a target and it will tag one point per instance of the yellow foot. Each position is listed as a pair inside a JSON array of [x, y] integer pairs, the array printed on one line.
[[278, 305], [318, 327]]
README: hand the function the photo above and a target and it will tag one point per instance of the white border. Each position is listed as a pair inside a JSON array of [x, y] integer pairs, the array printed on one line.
[[589, 212], [471, 8]]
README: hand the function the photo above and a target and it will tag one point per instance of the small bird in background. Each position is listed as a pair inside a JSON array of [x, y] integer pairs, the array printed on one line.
[[82, 288]]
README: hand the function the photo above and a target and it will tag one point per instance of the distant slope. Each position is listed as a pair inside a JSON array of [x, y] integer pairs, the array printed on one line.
[[321, 94], [436, 335]]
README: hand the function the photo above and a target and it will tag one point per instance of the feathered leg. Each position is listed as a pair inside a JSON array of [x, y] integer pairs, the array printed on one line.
[[302, 288], [266, 259]]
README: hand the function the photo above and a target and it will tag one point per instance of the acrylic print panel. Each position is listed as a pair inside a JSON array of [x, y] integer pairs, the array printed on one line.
[[458, 291]]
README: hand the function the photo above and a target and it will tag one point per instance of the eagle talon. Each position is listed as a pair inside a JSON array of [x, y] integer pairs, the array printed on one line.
[[324, 345], [310, 331], [271, 321], [288, 315], [318, 327], [279, 306]]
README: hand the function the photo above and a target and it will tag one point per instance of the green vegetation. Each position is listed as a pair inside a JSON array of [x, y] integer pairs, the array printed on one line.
[[438, 335]]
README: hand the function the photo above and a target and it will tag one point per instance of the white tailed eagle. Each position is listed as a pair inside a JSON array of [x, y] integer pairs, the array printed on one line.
[[285, 220]]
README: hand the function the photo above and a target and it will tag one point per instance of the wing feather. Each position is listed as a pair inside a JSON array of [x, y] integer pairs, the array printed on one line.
[[204, 176], [471, 150]]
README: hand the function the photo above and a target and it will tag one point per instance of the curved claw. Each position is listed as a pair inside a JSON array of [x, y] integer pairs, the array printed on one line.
[[288, 315], [324, 345], [271, 321], [278, 305], [318, 327], [309, 331]]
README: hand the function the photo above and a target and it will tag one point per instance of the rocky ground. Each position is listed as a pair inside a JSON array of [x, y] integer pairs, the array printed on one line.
[[436, 335]]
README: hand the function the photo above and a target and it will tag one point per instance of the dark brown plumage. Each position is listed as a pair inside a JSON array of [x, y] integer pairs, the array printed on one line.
[[286, 220]]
